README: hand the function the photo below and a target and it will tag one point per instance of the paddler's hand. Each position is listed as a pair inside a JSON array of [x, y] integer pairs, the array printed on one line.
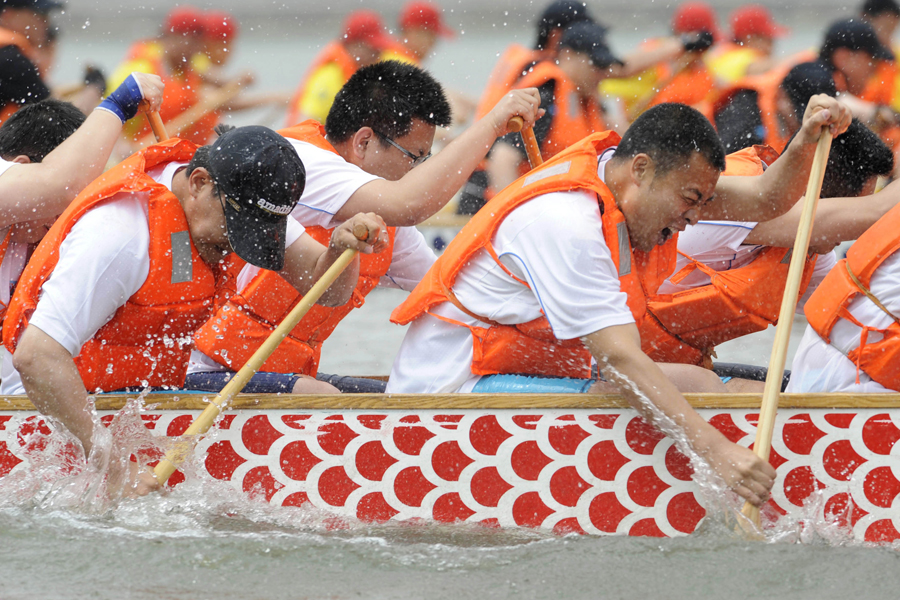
[[743, 471], [522, 103], [365, 232], [823, 111], [139, 90], [138, 481]]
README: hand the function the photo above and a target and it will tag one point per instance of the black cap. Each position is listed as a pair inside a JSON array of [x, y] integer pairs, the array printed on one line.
[[564, 12], [805, 81], [42, 7], [589, 38], [261, 177], [856, 35]]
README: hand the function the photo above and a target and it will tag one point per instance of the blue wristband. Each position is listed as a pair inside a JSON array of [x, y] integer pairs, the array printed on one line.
[[124, 101]]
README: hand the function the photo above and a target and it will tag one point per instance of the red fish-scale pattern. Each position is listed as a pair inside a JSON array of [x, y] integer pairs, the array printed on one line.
[[589, 471]]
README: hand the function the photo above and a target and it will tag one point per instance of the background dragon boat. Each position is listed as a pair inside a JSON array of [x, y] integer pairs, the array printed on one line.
[[564, 463]]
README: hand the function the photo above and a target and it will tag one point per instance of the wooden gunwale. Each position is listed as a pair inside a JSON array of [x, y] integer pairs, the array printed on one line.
[[195, 401]]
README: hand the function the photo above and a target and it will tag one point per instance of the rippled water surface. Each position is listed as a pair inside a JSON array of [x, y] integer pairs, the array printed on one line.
[[155, 548]]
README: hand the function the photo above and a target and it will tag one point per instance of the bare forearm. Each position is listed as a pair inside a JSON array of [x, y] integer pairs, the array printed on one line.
[[642, 59], [423, 191], [340, 291], [53, 383], [773, 193], [426, 189], [657, 400], [837, 220], [43, 190]]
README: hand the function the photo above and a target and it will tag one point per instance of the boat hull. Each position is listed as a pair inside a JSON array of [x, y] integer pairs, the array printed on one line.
[[601, 471]]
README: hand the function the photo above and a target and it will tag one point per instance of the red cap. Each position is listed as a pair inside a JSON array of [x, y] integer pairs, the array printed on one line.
[[425, 15], [220, 25], [366, 26], [691, 17], [185, 20], [754, 19]]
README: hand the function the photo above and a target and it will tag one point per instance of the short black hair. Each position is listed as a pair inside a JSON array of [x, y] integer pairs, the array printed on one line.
[[669, 134], [36, 129], [387, 96], [806, 80], [856, 156], [874, 8], [200, 160]]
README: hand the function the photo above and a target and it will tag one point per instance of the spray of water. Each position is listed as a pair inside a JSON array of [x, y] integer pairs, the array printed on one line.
[[59, 479]]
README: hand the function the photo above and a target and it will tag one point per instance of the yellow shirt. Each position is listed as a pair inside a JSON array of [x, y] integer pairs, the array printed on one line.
[[732, 64], [392, 54], [631, 90], [322, 87]]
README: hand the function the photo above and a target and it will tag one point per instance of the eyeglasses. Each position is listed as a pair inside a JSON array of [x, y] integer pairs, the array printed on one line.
[[416, 160]]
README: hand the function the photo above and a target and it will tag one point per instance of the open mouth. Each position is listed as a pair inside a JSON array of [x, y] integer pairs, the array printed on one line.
[[667, 233]]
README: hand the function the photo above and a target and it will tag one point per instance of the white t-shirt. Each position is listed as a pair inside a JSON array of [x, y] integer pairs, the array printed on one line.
[[555, 243], [10, 270], [103, 261], [822, 367], [330, 182], [14, 260], [720, 246]]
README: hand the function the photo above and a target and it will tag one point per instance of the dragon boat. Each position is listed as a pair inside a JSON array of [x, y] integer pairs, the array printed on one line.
[[565, 463]]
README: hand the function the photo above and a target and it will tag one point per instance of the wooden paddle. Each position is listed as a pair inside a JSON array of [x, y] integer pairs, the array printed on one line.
[[531, 146], [212, 102], [769, 408], [156, 124], [176, 455]]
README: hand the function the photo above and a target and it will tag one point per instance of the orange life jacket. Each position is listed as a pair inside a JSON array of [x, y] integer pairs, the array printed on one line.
[[4, 246], [241, 325], [11, 38], [687, 325], [531, 347], [693, 86], [512, 65], [766, 87], [147, 341], [332, 53], [880, 87], [573, 119], [880, 358], [182, 93]]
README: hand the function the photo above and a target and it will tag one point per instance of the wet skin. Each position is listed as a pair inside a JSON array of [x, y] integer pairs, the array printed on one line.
[[662, 205]]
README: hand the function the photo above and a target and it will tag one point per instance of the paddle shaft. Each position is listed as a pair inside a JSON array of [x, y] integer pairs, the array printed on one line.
[[201, 424], [763, 445], [531, 146], [213, 102], [156, 124]]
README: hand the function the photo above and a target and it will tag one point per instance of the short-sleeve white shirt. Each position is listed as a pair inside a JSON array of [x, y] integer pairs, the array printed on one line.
[[103, 261], [822, 367], [554, 243], [330, 182]]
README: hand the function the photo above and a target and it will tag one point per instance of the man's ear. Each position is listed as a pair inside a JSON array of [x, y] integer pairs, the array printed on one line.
[[198, 178], [21, 160], [359, 143], [641, 168]]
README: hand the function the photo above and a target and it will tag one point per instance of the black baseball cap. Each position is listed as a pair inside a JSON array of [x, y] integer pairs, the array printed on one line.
[[42, 7], [261, 178], [564, 12], [589, 38], [856, 35]]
